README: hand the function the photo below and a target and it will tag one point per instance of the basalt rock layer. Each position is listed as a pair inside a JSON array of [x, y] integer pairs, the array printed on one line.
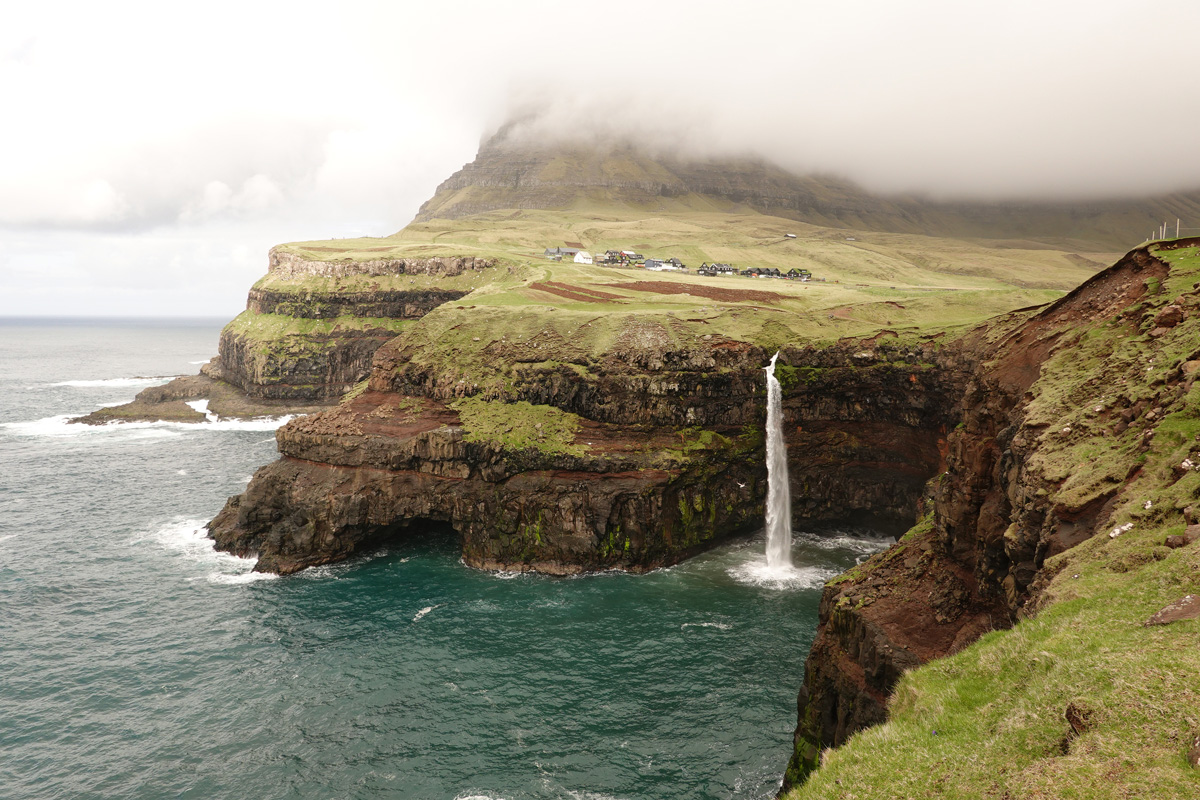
[[307, 336], [662, 454], [1055, 423]]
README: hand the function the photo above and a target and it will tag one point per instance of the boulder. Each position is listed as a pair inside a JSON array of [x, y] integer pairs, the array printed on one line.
[[1170, 316], [1187, 607], [1191, 534]]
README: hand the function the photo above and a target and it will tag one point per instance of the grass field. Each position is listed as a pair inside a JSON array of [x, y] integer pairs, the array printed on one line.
[[865, 282]]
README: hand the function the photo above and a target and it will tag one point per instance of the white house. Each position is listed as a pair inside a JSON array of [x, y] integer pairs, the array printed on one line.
[[583, 257]]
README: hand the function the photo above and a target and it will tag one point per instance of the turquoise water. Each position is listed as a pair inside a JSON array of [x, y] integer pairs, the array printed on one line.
[[137, 662]]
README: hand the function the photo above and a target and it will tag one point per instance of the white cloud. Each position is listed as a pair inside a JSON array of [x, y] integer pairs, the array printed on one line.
[[139, 135]]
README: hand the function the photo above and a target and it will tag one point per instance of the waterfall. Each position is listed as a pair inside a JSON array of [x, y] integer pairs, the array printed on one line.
[[779, 495]]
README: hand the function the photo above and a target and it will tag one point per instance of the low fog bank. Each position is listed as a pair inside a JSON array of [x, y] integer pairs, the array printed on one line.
[[1010, 154]]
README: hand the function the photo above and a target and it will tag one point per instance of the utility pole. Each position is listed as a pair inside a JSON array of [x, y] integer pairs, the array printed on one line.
[[1177, 227]]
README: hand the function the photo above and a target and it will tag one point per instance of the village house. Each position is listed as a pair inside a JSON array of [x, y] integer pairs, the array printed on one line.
[[557, 253]]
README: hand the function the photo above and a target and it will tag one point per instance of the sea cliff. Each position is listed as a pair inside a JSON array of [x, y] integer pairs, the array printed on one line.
[[308, 333], [1074, 456], [633, 459]]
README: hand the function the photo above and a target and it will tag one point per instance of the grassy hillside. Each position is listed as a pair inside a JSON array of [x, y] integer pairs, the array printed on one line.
[[1083, 700], [514, 172], [871, 281]]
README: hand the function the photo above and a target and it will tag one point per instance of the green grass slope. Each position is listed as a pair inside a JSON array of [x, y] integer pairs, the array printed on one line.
[[871, 281], [1083, 699]]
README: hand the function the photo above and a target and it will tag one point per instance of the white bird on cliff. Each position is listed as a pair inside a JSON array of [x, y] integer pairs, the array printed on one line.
[[740, 484]]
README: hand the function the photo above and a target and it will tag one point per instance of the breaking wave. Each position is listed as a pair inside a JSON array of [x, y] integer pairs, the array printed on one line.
[[185, 539], [116, 383], [62, 425]]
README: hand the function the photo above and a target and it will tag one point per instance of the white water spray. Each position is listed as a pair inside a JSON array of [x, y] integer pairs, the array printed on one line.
[[779, 495]]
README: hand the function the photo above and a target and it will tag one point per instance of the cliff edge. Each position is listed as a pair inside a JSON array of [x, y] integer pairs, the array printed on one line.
[[1065, 509]]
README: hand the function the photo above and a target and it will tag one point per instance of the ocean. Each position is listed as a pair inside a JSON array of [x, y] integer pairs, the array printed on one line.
[[137, 662]]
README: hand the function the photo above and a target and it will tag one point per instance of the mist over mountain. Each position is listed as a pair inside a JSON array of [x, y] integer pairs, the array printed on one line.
[[524, 165]]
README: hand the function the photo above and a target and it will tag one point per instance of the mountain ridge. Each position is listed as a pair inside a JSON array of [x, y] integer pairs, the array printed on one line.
[[511, 173]]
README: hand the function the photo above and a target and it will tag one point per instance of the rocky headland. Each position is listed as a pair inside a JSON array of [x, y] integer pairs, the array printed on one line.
[[634, 458], [308, 334]]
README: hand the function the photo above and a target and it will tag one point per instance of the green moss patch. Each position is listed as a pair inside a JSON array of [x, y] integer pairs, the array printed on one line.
[[274, 327], [519, 426]]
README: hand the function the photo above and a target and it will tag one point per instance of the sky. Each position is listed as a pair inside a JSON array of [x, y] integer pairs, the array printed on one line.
[[151, 153]]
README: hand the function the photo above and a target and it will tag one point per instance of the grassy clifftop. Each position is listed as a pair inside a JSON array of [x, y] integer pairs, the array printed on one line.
[[526, 309], [1086, 697]]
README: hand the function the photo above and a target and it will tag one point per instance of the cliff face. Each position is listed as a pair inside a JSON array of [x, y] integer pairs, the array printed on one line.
[[640, 460], [308, 334], [311, 327], [1045, 452]]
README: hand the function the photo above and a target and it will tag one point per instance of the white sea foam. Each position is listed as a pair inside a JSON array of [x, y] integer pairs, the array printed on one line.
[[425, 611], [325, 571], [235, 579], [205, 361], [202, 407], [6, 538], [256, 424], [506, 575], [756, 573], [842, 540], [724, 626], [61, 425], [185, 538], [116, 383]]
